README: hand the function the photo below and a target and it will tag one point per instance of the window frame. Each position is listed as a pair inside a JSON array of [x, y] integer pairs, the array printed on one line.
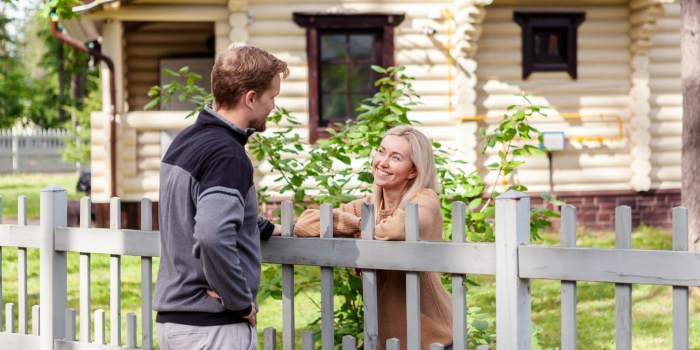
[[317, 23], [530, 21]]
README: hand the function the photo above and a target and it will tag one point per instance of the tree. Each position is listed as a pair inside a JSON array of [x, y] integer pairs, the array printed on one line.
[[13, 89], [690, 76]]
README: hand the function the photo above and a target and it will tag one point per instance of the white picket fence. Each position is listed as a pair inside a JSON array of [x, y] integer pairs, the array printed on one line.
[[33, 150], [511, 259]]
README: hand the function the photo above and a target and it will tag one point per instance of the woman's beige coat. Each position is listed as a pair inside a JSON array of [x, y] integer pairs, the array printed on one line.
[[436, 314]]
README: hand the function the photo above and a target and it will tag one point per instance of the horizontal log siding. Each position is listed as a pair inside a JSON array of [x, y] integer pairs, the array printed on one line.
[[602, 87], [666, 100]]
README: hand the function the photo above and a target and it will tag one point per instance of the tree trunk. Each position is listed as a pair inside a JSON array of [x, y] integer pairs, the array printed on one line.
[[690, 76], [61, 83]]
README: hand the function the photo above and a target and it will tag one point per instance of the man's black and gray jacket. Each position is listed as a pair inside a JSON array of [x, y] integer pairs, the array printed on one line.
[[209, 226]]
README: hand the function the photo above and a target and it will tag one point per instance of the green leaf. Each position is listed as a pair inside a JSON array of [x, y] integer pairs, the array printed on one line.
[[152, 103], [378, 69], [343, 158], [475, 203]]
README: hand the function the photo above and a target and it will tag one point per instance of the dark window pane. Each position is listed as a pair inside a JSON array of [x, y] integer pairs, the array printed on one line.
[[361, 46], [334, 77], [333, 107], [356, 101], [550, 45], [361, 78], [333, 47]]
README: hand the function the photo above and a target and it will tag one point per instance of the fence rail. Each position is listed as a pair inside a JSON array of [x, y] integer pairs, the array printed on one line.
[[33, 150], [511, 259]]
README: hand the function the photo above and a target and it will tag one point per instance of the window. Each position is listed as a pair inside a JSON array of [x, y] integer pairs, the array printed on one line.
[[345, 77], [340, 51], [549, 41]]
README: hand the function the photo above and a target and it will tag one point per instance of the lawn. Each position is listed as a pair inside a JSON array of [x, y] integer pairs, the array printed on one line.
[[596, 301], [30, 185]]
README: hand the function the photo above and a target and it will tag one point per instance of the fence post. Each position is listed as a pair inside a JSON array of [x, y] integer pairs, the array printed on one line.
[[52, 270], [369, 285], [567, 232], [512, 292], [288, 281], [15, 150], [623, 291], [680, 294]]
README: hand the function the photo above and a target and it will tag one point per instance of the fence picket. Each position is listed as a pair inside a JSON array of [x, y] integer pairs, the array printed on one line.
[[131, 330], [349, 343], [437, 346], [623, 291], [10, 319], [53, 272], [413, 324], [327, 316], [680, 294], [31, 150], [369, 284], [146, 280], [100, 326], [115, 319], [22, 269], [85, 222], [270, 339], [393, 344], [70, 325], [287, 282], [459, 292], [567, 234], [307, 340], [512, 292], [36, 320]]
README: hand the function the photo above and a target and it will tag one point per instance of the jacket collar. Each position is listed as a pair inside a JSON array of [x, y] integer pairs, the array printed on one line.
[[209, 117]]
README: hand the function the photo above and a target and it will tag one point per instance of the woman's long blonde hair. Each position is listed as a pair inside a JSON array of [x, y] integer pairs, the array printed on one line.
[[423, 159]]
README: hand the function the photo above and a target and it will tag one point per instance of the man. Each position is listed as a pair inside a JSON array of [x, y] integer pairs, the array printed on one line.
[[209, 224]]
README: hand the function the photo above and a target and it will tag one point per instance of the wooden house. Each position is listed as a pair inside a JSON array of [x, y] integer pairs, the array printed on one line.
[[609, 71]]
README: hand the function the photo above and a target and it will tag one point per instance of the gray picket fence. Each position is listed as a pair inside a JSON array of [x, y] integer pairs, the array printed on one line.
[[33, 151], [512, 260]]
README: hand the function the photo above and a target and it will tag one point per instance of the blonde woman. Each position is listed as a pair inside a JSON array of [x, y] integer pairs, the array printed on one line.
[[404, 171]]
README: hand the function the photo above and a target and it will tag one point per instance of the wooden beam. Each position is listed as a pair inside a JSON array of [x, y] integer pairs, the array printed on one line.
[[164, 13], [632, 266]]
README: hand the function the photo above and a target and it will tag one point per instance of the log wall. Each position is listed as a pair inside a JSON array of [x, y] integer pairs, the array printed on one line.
[[595, 157], [666, 100]]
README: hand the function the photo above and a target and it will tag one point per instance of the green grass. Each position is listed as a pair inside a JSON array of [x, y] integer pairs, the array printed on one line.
[[31, 185], [651, 311]]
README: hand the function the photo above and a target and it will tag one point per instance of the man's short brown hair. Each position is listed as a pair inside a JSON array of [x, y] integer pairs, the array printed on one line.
[[241, 69]]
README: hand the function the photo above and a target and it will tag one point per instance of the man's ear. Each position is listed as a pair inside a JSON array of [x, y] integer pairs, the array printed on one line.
[[249, 98]]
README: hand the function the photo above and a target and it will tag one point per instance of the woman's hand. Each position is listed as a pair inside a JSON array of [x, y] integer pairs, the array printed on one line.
[[277, 231]]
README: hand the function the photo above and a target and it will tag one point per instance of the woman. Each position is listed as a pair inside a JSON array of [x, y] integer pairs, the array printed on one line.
[[404, 171]]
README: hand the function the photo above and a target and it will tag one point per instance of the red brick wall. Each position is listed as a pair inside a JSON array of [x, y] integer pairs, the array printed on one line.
[[596, 210]]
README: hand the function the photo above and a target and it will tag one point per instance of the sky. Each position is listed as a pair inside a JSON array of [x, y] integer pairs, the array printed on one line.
[[21, 11]]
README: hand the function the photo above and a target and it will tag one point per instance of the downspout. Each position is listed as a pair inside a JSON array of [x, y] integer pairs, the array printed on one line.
[[98, 56]]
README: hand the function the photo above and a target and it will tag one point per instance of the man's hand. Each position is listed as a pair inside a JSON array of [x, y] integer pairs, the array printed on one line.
[[251, 317], [277, 231], [213, 294]]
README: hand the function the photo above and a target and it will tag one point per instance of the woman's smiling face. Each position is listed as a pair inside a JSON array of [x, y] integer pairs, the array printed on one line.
[[392, 166]]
